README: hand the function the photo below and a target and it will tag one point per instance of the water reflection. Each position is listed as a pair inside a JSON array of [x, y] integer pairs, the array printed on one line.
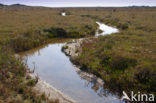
[[53, 66]]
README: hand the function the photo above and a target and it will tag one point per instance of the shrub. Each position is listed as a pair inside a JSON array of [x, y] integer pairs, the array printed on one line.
[[122, 26], [121, 63], [26, 41], [56, 32], [144, 74]]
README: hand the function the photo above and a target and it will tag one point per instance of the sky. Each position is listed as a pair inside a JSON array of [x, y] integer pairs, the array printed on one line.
[[79, 3]]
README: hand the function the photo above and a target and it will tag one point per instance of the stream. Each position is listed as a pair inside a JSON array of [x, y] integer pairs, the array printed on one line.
[[54, 67]]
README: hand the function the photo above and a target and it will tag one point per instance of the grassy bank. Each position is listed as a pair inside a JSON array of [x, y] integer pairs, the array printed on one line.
[[14, 86], [126, 60]]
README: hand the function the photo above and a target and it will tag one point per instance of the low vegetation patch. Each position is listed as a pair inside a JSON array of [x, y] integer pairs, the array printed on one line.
[[121, 69], [77, 32]]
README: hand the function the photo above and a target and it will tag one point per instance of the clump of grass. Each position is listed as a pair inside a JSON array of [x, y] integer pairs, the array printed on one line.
[[56, 32], [31, 82], [65, 47], [122, 26], [71, 33], [100, 31], [27, 41]]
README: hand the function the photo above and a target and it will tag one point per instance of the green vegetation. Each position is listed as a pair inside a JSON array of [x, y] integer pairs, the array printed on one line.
[[65, 47], [24, 28], [125, 60], [28, 40], [14, 86], [31, 82], [77, 32]]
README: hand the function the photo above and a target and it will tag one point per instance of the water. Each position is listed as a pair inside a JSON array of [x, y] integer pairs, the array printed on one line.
[[63, 14], [106, 29], [54, 67]]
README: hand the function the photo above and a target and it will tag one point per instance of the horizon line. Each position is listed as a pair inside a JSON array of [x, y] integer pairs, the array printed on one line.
[[75, 6]]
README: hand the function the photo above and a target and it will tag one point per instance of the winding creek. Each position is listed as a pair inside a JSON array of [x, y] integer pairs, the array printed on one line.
[[54, 67]]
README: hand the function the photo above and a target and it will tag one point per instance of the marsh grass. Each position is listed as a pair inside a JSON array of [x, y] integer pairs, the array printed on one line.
[[125, 60]]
